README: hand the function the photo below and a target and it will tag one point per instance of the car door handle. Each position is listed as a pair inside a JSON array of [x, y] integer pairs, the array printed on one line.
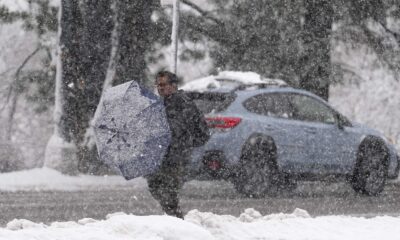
[[269, 127], [311, 130]]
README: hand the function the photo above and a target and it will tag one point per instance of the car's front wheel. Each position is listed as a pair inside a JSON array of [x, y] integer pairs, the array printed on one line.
[[371, 169], [258, 173]]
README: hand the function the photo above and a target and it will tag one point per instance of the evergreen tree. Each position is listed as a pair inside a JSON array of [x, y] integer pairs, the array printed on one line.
[[134, 23], [260, 35], [316, 64], [366, 22], [7, 17], [278, 39], [290, 40]]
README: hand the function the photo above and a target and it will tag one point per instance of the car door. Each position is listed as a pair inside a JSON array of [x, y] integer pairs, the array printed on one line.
[[272, 114], [330, 146]]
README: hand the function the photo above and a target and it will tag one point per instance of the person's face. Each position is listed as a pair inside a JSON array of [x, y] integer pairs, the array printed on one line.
[[165, 88]]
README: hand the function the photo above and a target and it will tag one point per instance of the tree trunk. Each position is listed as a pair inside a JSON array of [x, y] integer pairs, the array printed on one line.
[[61, 153], [85, 49], [95, 49], [134, 19], [316, 71], [116, 39]]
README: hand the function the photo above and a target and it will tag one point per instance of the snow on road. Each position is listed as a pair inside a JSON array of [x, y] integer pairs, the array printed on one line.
[[46, 179], [197, 225], [203, 226]]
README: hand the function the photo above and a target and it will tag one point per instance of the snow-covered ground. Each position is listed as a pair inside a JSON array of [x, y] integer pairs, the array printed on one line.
[[197, 225], [203, 226], [46, 179]]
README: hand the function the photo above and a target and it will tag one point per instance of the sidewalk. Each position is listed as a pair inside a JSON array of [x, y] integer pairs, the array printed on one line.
[[45, 179]]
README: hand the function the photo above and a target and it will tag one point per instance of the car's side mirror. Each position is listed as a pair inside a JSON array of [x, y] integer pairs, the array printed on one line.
[[340, 123]]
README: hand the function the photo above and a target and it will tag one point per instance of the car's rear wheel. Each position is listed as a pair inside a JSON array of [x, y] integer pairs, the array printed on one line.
[[286, 183], [258, 173], [371, 169]]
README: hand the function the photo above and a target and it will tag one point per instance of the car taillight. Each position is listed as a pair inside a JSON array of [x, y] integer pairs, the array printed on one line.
[[214, 165], [223, 122]]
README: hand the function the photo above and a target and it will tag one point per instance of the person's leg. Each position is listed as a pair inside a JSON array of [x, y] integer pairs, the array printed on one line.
[[170, 195], [164, 186], [167, 183], [155, 183]]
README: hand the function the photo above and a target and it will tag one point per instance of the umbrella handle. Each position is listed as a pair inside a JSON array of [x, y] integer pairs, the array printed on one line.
[[104, 127]]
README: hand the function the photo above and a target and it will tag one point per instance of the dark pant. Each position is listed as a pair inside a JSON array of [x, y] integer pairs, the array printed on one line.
[[165, 184]]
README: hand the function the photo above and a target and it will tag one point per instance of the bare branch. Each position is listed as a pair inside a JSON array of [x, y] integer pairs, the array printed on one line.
[[393, 33], [215, 32], [201, 11], [376, 42], [11, 112], [13, 84]]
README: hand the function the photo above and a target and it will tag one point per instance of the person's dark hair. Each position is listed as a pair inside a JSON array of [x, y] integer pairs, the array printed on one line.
[[172, 78]]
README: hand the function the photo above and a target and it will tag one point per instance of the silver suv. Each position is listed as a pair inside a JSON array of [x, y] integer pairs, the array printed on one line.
[[267, 138]]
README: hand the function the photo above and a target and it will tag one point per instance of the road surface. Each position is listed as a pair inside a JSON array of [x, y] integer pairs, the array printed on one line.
[[215, 196]]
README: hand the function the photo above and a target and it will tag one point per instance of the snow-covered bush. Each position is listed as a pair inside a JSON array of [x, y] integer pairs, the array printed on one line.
[[11, 158]]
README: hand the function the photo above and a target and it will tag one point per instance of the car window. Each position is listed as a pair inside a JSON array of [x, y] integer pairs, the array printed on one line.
[[269, 104], [306, 108], [211, 102]]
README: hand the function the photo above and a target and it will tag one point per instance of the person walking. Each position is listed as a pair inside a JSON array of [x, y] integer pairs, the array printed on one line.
[[188, 129]]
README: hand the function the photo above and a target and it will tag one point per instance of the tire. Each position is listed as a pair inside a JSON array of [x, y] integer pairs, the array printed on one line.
[[371, 170], [286, 183], [258, 174]]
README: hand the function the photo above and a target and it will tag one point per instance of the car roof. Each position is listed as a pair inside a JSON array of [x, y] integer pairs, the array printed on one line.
[[226, 81], [274, 89], [249, 90]]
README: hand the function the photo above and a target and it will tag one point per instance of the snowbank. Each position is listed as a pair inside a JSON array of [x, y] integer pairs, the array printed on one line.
[[44, 179], [208, 226]]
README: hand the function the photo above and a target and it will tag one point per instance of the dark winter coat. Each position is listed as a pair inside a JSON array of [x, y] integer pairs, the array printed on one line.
[[188, 129], [187, 124]]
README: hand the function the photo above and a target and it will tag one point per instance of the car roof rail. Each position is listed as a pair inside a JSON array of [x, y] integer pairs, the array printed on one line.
[[259, 86], [193, 95]]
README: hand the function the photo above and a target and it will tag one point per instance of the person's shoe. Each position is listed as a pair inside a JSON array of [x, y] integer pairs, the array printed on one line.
[[179, 214], [175, 212]]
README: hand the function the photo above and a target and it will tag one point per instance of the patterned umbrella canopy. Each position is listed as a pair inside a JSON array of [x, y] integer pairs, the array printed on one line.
[[131, 129]]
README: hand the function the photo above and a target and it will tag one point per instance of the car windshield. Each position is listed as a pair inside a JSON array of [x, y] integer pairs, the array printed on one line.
[[212, 102]]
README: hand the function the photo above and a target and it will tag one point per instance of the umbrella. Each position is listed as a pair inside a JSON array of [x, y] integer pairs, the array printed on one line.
[[131, 129]]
